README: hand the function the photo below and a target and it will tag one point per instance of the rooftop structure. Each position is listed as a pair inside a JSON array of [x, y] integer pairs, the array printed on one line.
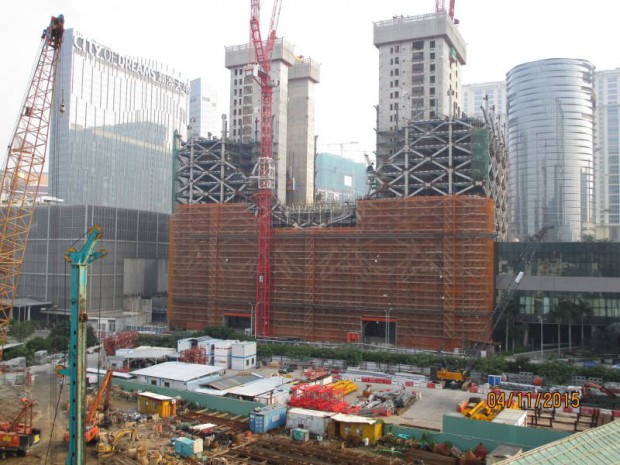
[[419, 61], [176, 371]]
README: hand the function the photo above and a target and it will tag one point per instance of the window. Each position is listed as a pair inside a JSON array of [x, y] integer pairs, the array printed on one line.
[[431, 44], [396, 83], [432, 114], [166, 384], [391, 49], [396, 60], [431, 79], [395, 94], [391, 72], [396, 72], [417, 45], [432, 68], [153, 382], [431, 91], [397, 49], [432, 55], [432, 102], [391, 61]]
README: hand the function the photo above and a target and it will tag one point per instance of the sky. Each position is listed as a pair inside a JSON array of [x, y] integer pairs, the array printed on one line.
[[190, 36]]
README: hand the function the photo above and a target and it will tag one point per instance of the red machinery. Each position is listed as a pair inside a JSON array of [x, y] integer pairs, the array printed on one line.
[[22, 172], [266, 170], [124, 340], [194, 355], [19, 435], [319, 397], [440, 5], [91, 433]]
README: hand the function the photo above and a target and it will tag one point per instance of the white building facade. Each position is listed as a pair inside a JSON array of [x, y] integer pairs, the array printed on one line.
[[491, 95], [204, 118]]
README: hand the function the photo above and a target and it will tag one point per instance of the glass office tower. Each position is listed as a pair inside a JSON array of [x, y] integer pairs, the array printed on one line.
[[113, 144], [551, 147]]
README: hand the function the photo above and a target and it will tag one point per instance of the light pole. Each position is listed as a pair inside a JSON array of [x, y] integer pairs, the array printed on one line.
[[542, 355], [387, 326], [251, 318]]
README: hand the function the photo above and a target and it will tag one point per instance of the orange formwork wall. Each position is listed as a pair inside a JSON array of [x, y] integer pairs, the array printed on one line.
[[430, 259]]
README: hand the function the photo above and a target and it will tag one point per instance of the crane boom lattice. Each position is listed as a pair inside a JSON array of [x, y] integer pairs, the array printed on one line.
[[266, 170], [22, 171]]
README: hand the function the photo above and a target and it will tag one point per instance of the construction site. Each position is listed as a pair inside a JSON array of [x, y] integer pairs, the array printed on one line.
[[409, 266], [427, 261]]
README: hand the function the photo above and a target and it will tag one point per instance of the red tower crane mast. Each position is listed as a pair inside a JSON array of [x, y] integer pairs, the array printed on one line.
[[266, 169], [23, 167], [440, 5]]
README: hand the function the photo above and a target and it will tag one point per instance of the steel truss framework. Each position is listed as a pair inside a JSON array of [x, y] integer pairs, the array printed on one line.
[[435, 158], [430, 259]]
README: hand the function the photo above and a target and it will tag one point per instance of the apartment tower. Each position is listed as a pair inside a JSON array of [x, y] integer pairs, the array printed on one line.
[[419, 62], [293, 78]]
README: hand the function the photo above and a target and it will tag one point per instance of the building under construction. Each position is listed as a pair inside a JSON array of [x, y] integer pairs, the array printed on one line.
[[411, 264]]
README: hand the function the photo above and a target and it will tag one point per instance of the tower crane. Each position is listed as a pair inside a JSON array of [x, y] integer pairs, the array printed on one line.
[[440, 5], [341, 145], [266, 169], [23, 167]]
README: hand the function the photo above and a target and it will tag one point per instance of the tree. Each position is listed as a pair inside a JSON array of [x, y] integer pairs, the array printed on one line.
[[584, 312], [21, 330], [561, 314]]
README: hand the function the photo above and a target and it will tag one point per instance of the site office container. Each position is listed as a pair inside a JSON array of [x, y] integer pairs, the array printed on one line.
[[244, 349], [316, 422]]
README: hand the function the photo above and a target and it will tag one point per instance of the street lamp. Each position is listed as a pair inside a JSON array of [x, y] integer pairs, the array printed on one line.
[[542, 355], [387, 326], [251, 318]]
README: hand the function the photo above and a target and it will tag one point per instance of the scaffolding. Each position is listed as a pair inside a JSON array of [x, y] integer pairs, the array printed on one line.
[[452, 156], [429, 260]]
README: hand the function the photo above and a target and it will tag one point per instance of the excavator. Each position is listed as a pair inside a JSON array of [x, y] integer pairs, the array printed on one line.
[[595, 395], [18, 435], [109, 443], [91, 431]]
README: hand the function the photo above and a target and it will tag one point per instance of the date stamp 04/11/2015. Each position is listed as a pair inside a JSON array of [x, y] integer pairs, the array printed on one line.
[[534, 400]]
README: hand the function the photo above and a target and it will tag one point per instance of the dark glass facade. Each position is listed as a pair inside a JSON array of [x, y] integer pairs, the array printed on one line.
[[561, 271]]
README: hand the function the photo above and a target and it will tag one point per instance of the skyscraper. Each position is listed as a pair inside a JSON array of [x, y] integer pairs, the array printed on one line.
[[606, 157], [551, 147], [113, 145], [419, 79], [204, 117], [294, 78], [491, 94]]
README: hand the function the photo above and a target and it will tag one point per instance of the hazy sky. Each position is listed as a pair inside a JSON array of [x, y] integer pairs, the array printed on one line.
[[190, 36]]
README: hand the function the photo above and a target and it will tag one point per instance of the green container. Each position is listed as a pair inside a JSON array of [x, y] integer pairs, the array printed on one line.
[[301, 434]]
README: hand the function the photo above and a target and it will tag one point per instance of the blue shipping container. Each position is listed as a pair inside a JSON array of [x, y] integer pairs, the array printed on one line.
[[184, 447], [495, 380], [267, 418]]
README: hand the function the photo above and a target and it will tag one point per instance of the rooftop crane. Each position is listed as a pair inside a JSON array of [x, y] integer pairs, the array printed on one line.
[[440, 5], [23, 167], [266, 169], [341, 144]]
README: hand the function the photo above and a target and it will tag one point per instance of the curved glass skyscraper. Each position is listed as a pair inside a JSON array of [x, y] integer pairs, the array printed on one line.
[[551, 147]]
